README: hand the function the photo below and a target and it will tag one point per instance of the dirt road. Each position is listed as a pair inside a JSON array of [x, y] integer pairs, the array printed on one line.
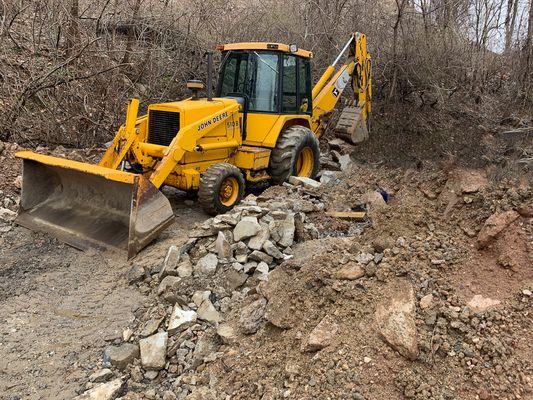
[[59, 307]]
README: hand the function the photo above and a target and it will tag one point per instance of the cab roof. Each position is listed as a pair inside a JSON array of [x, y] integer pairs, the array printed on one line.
[[264, 46]]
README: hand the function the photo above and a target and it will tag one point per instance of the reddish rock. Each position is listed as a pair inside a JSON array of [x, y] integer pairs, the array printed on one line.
[[350, 272], [395, 320], [479, 303], [494, 225], [322, 335]]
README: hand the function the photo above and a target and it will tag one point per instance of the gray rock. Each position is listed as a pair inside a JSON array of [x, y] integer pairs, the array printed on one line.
[[151, 326], [305, 182], [241, 252], [151, 374], [188, 246], [105, 391], [154, 350], [345, 161], [328, 176], [136, 274], [247, 227], [7, 215], [222, 246], [184, 270], [364, 258], [252, 316], [233, 279], [261, 271], [226, 333], [101, 375], [249, 266], [282, 232], [257, 255], [171, 261], [271, 249], [169, 283], [208, 312], [121, 356], [180, 320], [370, 269], [256, 242], [230, 219], [207, 265], [199, 296]]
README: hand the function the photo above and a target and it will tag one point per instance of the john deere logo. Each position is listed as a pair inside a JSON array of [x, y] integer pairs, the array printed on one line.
[[215, 119]]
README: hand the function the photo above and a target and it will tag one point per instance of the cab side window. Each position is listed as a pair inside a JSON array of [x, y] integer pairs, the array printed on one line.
[[304, 86], [289, 102]]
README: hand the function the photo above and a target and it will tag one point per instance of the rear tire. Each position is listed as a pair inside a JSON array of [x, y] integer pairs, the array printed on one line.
[[221, 187], [297, 152]]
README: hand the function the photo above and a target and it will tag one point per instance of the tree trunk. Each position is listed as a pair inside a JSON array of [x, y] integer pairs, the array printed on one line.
[[131, 34], [400, 4], [73, 31], [510, 22]]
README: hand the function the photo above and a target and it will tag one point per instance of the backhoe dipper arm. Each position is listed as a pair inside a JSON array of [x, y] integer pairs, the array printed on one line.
[[329, 88], [187, 140]]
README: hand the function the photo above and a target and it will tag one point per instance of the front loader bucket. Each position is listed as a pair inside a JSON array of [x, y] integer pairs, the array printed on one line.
[[91, 206]]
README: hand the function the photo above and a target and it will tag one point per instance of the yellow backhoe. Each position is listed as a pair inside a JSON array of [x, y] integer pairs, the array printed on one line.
[[262, 125]]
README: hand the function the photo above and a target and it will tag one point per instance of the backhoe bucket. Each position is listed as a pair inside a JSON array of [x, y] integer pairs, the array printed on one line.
[[351, 125], [91, 206]]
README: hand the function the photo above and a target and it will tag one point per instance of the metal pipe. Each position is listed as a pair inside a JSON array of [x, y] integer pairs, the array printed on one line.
[[216, 146], [343, 50], [209, 75]]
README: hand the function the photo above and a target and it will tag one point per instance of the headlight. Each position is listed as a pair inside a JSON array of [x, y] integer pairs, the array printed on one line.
[[293, 48]]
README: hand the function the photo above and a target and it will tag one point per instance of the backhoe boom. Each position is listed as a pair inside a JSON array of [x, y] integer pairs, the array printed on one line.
[[329, 88]]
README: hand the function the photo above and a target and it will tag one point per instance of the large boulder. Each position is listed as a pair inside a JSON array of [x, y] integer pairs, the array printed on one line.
[[395, 319]]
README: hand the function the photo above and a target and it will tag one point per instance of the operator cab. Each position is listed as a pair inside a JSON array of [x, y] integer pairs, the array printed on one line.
[[273, 78]]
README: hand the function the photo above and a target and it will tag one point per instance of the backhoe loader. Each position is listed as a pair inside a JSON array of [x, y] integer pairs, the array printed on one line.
[[263, 125]]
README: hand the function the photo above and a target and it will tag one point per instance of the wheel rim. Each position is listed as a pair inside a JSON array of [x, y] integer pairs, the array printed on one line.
[[229, 191], [305, 162]]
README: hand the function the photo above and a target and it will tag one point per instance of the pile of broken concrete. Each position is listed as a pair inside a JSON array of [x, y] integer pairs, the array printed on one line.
[[198, 283]]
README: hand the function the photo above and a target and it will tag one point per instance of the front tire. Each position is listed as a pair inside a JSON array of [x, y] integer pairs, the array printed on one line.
[[297, 152], [221, 187]]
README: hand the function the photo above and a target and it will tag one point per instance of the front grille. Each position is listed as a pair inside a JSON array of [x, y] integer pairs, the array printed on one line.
[[162, 126]]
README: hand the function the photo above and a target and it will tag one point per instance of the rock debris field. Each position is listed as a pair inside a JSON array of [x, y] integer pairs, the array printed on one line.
[[372, 282]]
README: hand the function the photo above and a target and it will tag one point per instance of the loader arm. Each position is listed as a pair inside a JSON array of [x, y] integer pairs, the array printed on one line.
[[329, 88]]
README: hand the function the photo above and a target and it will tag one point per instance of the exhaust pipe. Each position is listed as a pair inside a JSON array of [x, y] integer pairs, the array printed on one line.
[[209, 75]]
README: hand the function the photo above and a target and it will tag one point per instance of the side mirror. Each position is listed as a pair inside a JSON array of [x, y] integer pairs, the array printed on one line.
[[194, 86]]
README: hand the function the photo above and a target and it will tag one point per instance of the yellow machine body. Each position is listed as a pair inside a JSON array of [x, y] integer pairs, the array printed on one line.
[[105, 206]]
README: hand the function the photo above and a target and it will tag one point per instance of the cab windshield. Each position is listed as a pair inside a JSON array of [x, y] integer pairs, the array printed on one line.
[[254, 75], [257, 76]]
